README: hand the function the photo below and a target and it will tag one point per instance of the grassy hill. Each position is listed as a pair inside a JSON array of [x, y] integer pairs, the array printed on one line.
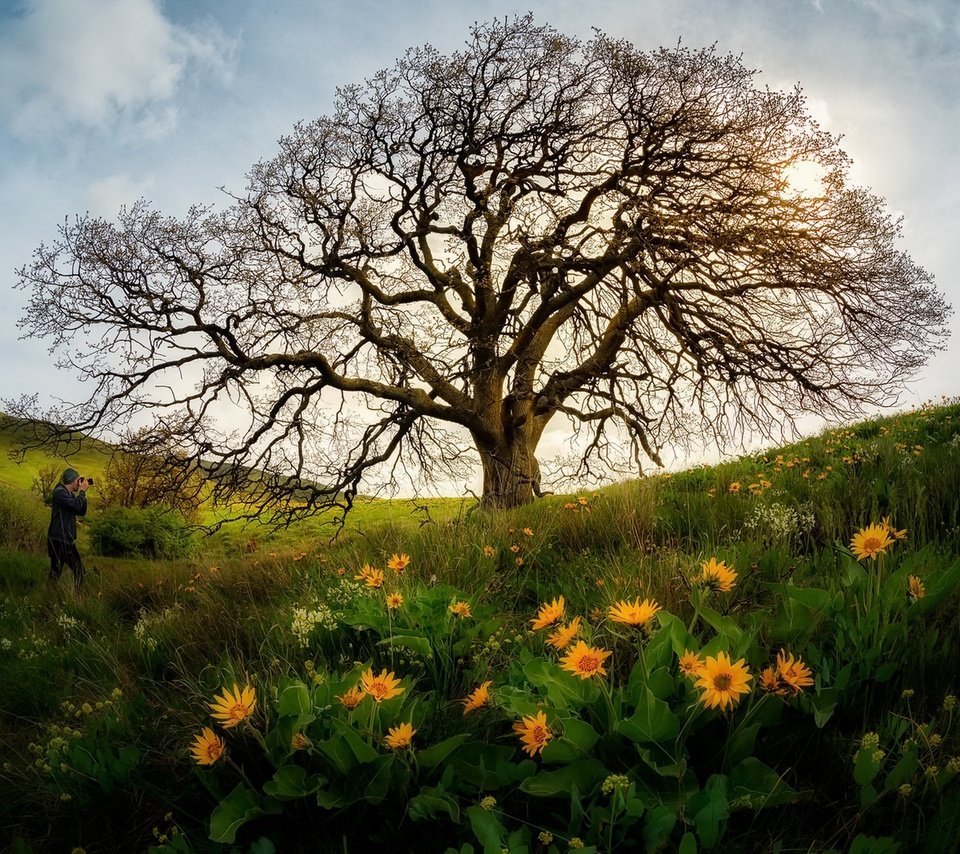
[[761, 655]]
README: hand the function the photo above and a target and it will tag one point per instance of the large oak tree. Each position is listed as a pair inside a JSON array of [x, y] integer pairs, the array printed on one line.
[[474, 246]]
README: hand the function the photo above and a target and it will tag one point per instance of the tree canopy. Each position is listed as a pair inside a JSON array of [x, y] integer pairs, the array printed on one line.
[[473, 245]]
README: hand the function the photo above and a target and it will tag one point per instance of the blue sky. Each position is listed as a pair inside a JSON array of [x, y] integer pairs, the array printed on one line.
[[105, 101]]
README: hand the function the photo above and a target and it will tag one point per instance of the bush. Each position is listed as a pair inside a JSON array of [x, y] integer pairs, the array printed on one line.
[[153, 532], [23, 522]]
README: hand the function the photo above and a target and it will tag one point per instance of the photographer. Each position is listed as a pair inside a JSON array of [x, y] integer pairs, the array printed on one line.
[[69, 500]]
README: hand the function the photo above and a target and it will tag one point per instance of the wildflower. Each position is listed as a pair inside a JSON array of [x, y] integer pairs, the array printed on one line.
[[949, 703], [232, 707], [935, 740], [870, 741], [734, 487], [582, 500], [515, 547], [716, 575], [478, 698], [489, 551], [394, 601], [299, 741], [575, 841], [562, 637], [615, 783], [398, 563], [488, 803], [370, 576], [528, 532], [568, 506], [382, 687], [533, 732], [907, 694], [793, 673], [460, 609], [545, 836], [299, 557], [931, 771], [549, 613], [878, 756], [915, 588], [870, 541], [690, 664], [207, 747], [634, 613], [769, 681], [723, 681], [399, 736], [897, 535], [351, 698], [585, 661]]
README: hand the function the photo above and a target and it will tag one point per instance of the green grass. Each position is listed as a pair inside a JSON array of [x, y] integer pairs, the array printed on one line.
[[168, 634]]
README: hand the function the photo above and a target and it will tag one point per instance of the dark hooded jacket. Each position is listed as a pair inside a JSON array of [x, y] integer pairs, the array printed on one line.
[[66, 506]]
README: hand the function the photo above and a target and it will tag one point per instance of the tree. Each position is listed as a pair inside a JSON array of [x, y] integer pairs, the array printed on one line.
[[475, 244]]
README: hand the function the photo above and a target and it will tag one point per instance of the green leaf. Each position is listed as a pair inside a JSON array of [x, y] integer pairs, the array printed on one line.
[[563, 690], [652, 721], [431, 802], [579, 733], [291, 782], [235, 810], [761, 784], [903, 771], [432, 756], [487, 828], [294, 699], [865, 767], [584, 773], [414, 641], [658, 826], [709, 809], [688, 845]]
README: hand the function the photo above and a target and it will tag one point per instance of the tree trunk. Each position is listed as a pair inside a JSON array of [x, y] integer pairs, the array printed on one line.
[[511, 475]]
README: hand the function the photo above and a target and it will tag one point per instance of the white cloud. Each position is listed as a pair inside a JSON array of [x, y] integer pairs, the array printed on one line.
[[105, 63], [106, 196]]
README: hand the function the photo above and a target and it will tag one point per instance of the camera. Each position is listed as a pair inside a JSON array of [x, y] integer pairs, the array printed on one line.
[[88, 480]]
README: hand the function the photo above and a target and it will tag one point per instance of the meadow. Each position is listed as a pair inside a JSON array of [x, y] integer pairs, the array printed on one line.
[[762, 655]]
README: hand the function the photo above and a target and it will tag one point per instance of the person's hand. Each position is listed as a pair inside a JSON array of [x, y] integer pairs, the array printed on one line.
[[84, 484]]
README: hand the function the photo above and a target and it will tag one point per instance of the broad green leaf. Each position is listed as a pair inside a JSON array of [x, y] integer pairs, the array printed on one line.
[[709, 809], [294, 699], [761, 784], [487, 828], [652, 721], [291, 782], [416, 642], [585, 774], [688, 845], [658, 827], [431, 802], [432, 756], [235, 810]]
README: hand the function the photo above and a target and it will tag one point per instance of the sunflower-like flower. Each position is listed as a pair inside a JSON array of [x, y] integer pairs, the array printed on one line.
[[383, 687], [478, 698], [716, 575], [352, 697], [871, 541], [299, 741], [460, 609], [549, 613], [915, 587], [234, 706], [398, 562], [585, 661], [770, 682], [793, 673], [634, 613], [897, 535], [564, 635], [370, 576], [394, 601], [207, 747], [489, 551], [399, 736], [690, 664], [534, 732], [723, 681]]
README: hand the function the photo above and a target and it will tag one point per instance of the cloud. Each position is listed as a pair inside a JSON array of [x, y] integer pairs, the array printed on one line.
[[106, 196], [109, 64]]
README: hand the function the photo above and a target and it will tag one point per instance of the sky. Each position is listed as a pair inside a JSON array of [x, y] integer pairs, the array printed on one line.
[[103, 102]]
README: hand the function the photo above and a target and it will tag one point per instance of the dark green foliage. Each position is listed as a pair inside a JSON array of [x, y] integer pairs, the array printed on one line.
[[152, 532]]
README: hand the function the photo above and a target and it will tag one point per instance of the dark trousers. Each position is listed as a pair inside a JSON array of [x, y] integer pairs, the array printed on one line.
[[65, 554]]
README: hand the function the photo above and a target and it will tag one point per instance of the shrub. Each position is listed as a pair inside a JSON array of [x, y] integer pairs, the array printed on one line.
[[153, 532], [23, 522]]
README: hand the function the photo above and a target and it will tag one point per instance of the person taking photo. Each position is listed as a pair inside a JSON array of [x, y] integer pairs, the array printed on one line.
[[69, 500]]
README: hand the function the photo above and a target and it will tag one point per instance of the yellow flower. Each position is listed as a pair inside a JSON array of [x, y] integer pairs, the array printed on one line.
[[722, 681], [716, 575], [562, 637], [394, 601], [299, 741], [207, 747], [232, 707], [398, 563], [734, 487], [372, 577], [382, 687], [870, 541], [399, 736], [528, 532], [915, 587], [585, 661], [477, 698], [351, 698], [770, 682], [533, 732], [489, 551], [460, 609], [793, 673], [690, 664], [549, 613], [634, 613]]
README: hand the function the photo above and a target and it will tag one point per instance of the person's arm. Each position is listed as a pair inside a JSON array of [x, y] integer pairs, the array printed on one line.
[[75, 503]]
